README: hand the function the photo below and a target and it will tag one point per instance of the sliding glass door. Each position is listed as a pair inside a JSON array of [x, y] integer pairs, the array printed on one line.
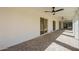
[[43, 25]]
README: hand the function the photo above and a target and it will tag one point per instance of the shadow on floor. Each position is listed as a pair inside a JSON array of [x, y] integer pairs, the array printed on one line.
[[69, 32], [66, 46], [68, 35], [37, 44]]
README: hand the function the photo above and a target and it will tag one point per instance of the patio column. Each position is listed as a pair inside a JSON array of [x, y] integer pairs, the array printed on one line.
[[76, 27], [73, 28]]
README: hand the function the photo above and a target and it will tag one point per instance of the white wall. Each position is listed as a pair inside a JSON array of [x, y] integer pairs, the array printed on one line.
[[57, 19], [21, 24]]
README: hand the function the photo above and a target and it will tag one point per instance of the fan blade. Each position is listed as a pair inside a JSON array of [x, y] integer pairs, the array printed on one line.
[[59, 10], [47, 11]]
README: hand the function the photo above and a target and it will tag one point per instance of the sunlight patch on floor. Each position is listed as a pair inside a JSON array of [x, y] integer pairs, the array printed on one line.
[[56, 47], [65, 38]]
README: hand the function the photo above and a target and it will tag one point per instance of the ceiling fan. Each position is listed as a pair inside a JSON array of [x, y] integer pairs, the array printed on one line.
[[54, 11]]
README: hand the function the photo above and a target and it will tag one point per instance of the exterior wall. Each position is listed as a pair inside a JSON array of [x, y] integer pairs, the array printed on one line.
[[57, 19], [21, 24], [57, 25], [61, 24]]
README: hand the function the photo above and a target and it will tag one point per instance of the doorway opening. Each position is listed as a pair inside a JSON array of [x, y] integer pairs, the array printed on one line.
[[68, 25], [59, 24], [43, 25], [54, 25]]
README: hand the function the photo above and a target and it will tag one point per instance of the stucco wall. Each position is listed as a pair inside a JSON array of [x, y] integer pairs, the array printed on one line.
[[21, 24]]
